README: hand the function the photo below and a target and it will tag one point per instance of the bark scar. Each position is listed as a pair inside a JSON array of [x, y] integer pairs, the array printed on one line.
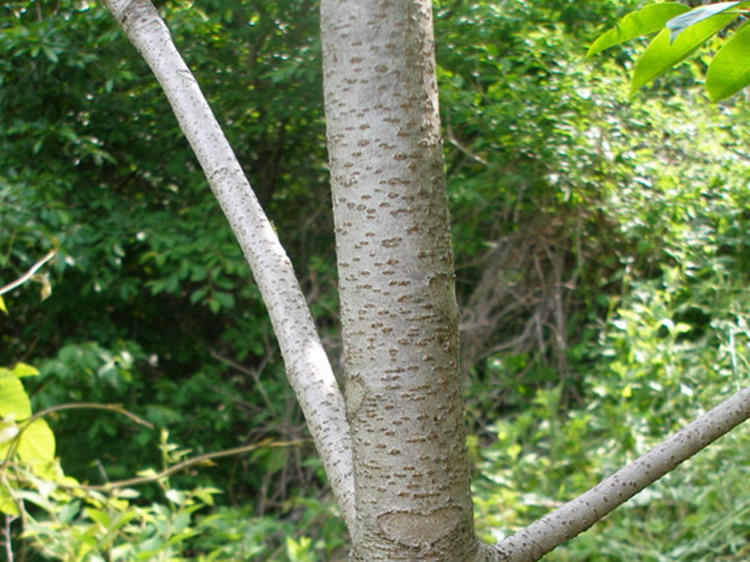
[[418, 529]]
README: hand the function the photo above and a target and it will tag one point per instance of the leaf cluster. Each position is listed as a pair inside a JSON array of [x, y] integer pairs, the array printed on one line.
[[681, 32]]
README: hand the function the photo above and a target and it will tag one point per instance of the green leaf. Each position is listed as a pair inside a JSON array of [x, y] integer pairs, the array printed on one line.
[[7, 503], [662, 54], [2, 306], [50, 54], [648, 19], [678, 24], [13, 398], [24, 370], [98, 516], [729, 70], [225, 299], [206, 494], [37, 443]]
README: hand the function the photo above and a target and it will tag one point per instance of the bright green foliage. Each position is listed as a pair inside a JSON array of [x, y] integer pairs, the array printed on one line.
[[681, 35], [13, 399], [673, 342], [64, 521], [648, 19], [727, 73], [663, 52], [31, 442]]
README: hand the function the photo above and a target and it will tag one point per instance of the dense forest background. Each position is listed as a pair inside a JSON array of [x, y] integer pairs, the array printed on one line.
[[602, 252]]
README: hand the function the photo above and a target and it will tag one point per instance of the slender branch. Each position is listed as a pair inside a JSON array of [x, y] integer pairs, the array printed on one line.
[[460, 146], [267, 443], [8, 537], [167, 472], [77, 406], [29, 274], [577, 515], [88, 406], [254, 373], [307, 365]]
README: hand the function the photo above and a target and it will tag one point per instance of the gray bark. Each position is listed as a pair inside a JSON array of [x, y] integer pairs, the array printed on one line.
[[395, 265]]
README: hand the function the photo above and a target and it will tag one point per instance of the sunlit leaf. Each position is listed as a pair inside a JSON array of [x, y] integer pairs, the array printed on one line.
[[729, 70], [648, 19], [662, 54], [2, 306], [37, 443], [7, 503], [678, 24], [13, 398], [24, 370]]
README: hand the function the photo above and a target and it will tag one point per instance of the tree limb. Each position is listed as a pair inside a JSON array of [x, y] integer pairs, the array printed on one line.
[[307, 365], [577, 515]]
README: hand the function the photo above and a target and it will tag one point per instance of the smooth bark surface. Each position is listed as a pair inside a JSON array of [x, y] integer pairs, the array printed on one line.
[[398, 307]]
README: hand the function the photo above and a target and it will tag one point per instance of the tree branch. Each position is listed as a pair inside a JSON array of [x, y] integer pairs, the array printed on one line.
[[307, 365], [577, 515], [29, 274], [187, 463]]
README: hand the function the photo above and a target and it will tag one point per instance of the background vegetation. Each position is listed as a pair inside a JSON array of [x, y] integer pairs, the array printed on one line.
[[603, 264]]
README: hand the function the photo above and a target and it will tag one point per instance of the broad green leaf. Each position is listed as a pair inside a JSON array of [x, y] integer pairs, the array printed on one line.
[[729, 70], [678, 24], [7, 503], [68, 512], [662, 54], [648, 19], [13, 398], [2, 305], [37, 443]]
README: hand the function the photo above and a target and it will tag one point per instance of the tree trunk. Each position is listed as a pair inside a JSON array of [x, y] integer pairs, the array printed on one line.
[[398, 307]]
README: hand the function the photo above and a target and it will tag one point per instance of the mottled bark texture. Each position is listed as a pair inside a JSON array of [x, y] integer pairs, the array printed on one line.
[[398, 307]]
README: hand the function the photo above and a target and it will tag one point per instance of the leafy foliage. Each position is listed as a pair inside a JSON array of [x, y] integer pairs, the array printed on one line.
[[683, 32], [674, 340]]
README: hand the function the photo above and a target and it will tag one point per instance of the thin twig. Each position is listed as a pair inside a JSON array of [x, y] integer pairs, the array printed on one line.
[[82, 405], [254, 373], [455, 142], [29, 274], [7, 538], [92, 405], [190, 462]]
